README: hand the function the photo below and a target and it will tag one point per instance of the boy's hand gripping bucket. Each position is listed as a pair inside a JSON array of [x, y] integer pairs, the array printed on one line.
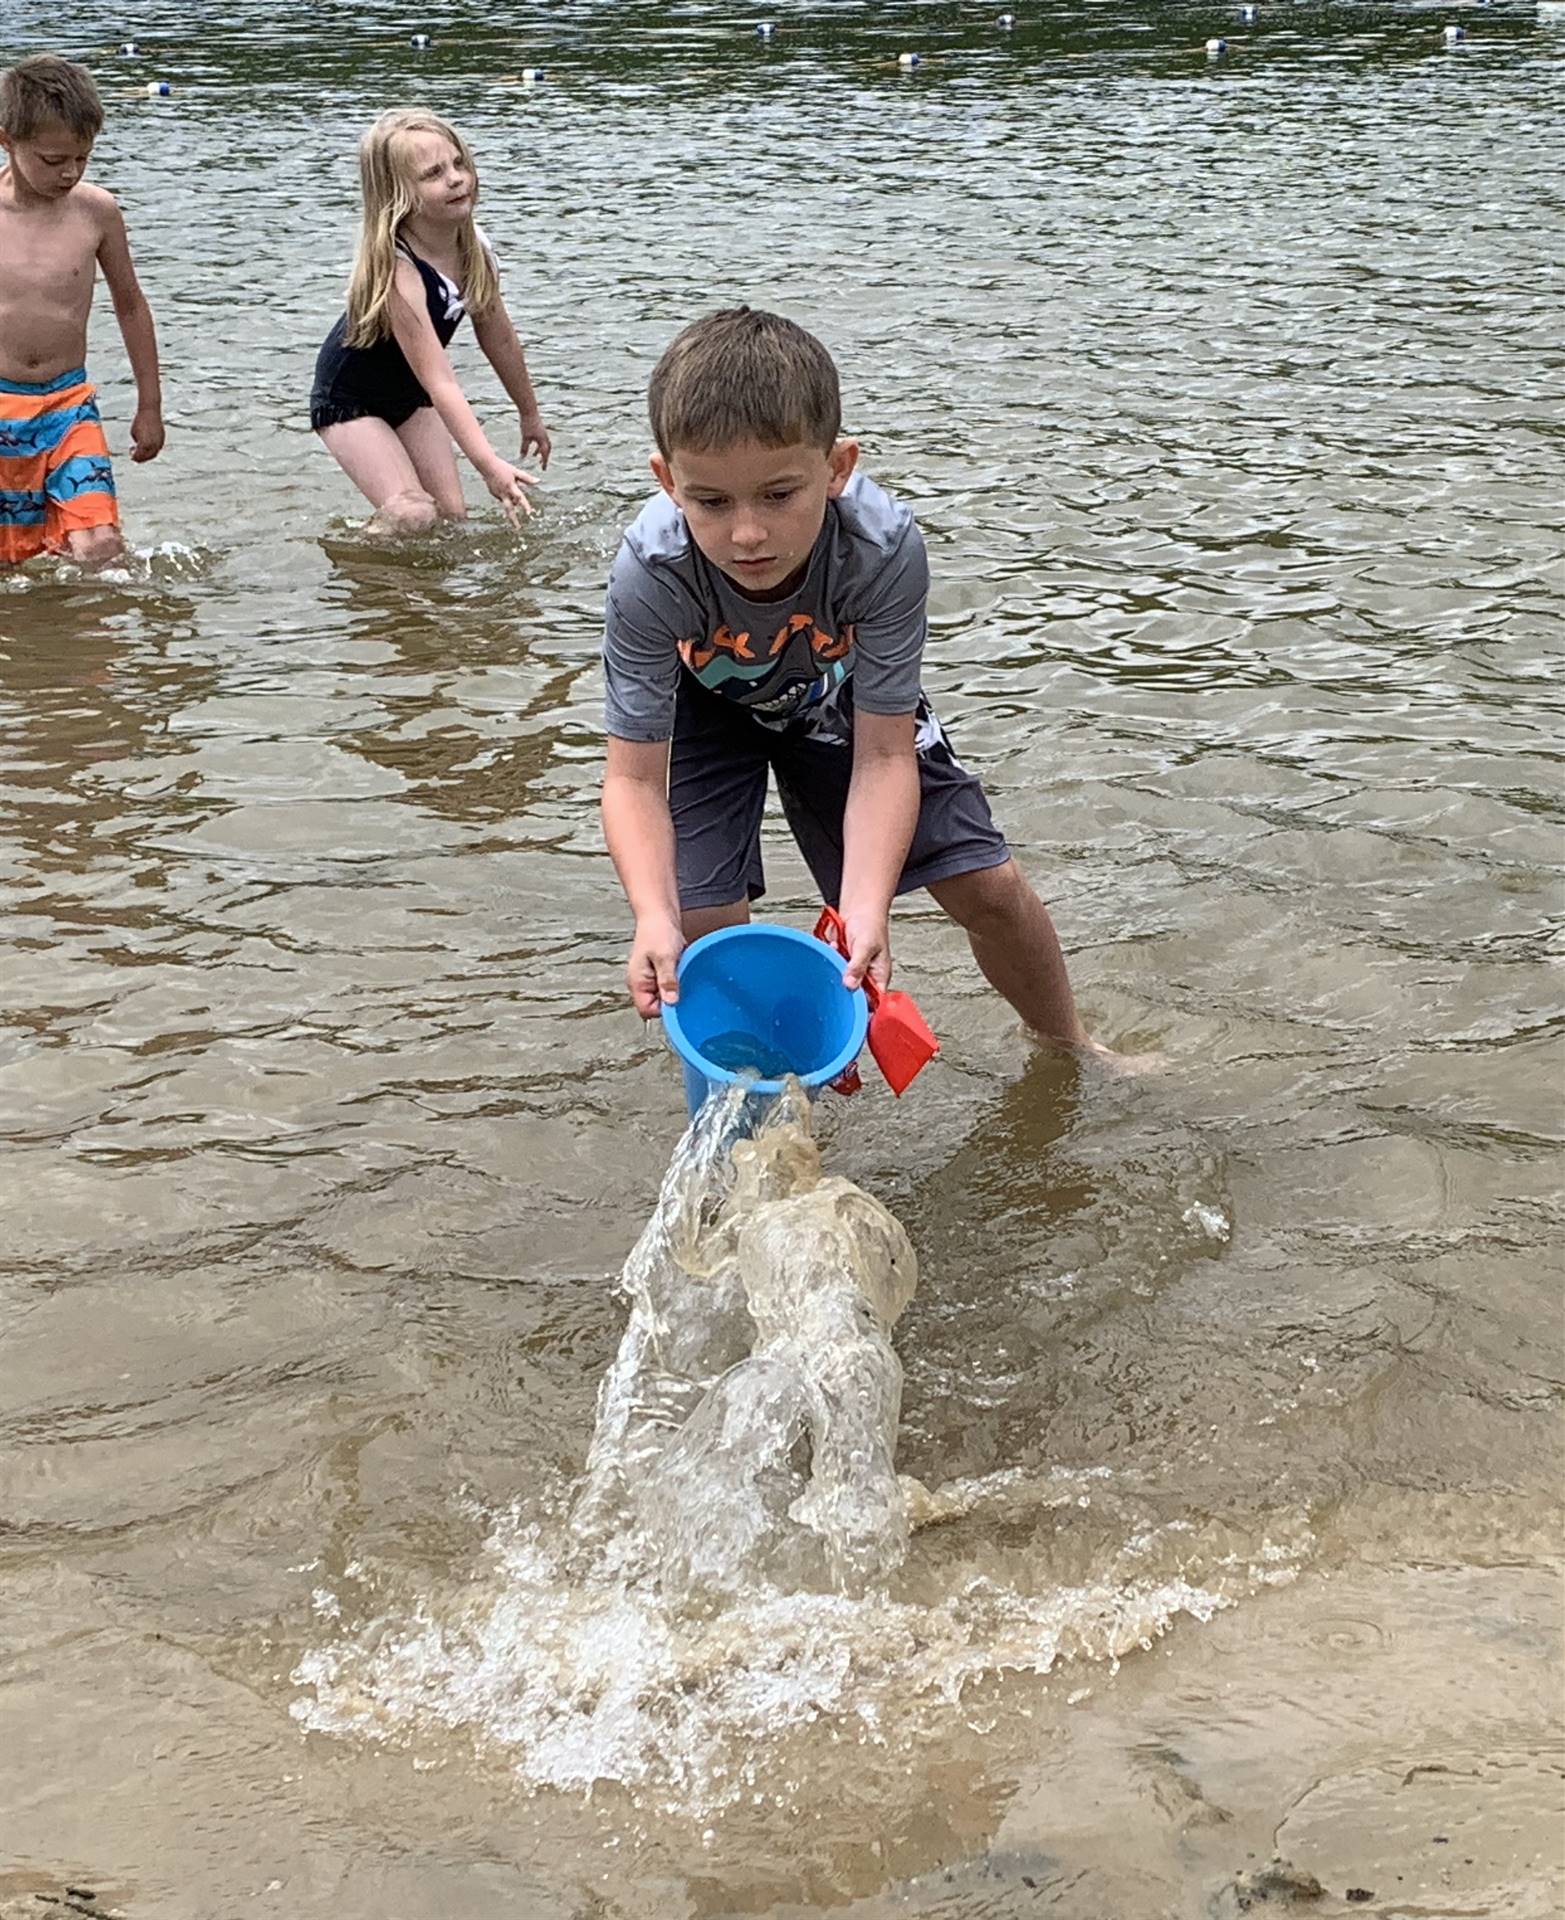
[[763, 999], [899, 1036]]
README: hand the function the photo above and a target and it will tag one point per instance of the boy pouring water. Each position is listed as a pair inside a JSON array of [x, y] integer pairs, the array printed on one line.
[[767, 614]]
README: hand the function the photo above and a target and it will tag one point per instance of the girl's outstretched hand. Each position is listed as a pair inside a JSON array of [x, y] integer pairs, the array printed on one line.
[[509, 486], [535, 438]]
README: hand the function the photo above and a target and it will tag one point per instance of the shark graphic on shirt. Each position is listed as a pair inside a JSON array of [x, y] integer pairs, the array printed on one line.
[[799, 664]]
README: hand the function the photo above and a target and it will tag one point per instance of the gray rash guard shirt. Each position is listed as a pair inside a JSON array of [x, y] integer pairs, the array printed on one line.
[[859, 610]]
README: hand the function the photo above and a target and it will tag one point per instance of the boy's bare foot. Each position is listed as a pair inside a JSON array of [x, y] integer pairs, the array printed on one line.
[[1097, 1058], [1124, 1066]]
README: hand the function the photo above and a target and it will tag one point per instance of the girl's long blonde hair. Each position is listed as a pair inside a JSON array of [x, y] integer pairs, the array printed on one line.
[[386, 175]]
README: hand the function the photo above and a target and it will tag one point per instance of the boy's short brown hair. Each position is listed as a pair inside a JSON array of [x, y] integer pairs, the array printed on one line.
[[45, 89], [744, 375]]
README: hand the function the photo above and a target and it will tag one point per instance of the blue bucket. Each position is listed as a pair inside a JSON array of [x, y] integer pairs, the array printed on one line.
[[766, 999]]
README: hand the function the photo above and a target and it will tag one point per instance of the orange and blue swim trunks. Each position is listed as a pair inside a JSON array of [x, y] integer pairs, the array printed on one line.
[[55, 477]]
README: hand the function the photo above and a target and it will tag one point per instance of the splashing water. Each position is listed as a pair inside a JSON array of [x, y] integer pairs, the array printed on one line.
[[167, 562], [721, 1578], [598, 1682], [746, 1430]]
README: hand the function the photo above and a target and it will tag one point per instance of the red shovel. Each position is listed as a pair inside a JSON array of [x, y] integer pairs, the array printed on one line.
[[899, 1036]]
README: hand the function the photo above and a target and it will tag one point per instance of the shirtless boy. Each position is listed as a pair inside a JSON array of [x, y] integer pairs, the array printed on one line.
[[56, 485]]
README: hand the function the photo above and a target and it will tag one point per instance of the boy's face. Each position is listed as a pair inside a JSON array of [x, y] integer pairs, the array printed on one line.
[[755, 511], [50, 162]]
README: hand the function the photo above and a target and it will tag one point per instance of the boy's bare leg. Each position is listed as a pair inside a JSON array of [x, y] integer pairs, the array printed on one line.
[[429, 446], [1014, 943], [699, 920], [95, 546], [378, 464]]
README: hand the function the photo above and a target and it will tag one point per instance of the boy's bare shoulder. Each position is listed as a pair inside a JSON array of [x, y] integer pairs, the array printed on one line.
[[98, 203]]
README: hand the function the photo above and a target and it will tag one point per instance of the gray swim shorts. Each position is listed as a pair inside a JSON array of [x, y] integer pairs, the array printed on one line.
[[718, 769]]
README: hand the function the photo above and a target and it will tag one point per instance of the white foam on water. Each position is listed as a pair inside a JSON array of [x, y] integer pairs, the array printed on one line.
[[169, 560], [1209, 1220], [603, 1683]]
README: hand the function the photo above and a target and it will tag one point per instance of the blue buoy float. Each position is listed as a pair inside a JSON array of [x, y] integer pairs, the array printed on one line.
[[1005, 22], [1215, 49], [1454, 34], [531, 75], [129, 50], [158, 89], [1247, 16], [764, 29], [908, 61], [420, 42]]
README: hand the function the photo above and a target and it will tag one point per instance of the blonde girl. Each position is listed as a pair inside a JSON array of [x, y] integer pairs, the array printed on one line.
[[385, 401]]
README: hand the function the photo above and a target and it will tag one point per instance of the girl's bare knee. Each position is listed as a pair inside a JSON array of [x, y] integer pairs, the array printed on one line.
[[410, 512]]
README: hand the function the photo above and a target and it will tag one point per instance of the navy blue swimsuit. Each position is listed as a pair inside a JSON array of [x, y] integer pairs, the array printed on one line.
[[355, 383]]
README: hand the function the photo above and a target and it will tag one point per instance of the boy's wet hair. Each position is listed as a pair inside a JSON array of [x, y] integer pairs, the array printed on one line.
[[45, 90], [744, 375]]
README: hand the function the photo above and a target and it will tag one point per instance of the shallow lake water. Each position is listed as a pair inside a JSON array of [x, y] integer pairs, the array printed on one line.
[[1227, 392]]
